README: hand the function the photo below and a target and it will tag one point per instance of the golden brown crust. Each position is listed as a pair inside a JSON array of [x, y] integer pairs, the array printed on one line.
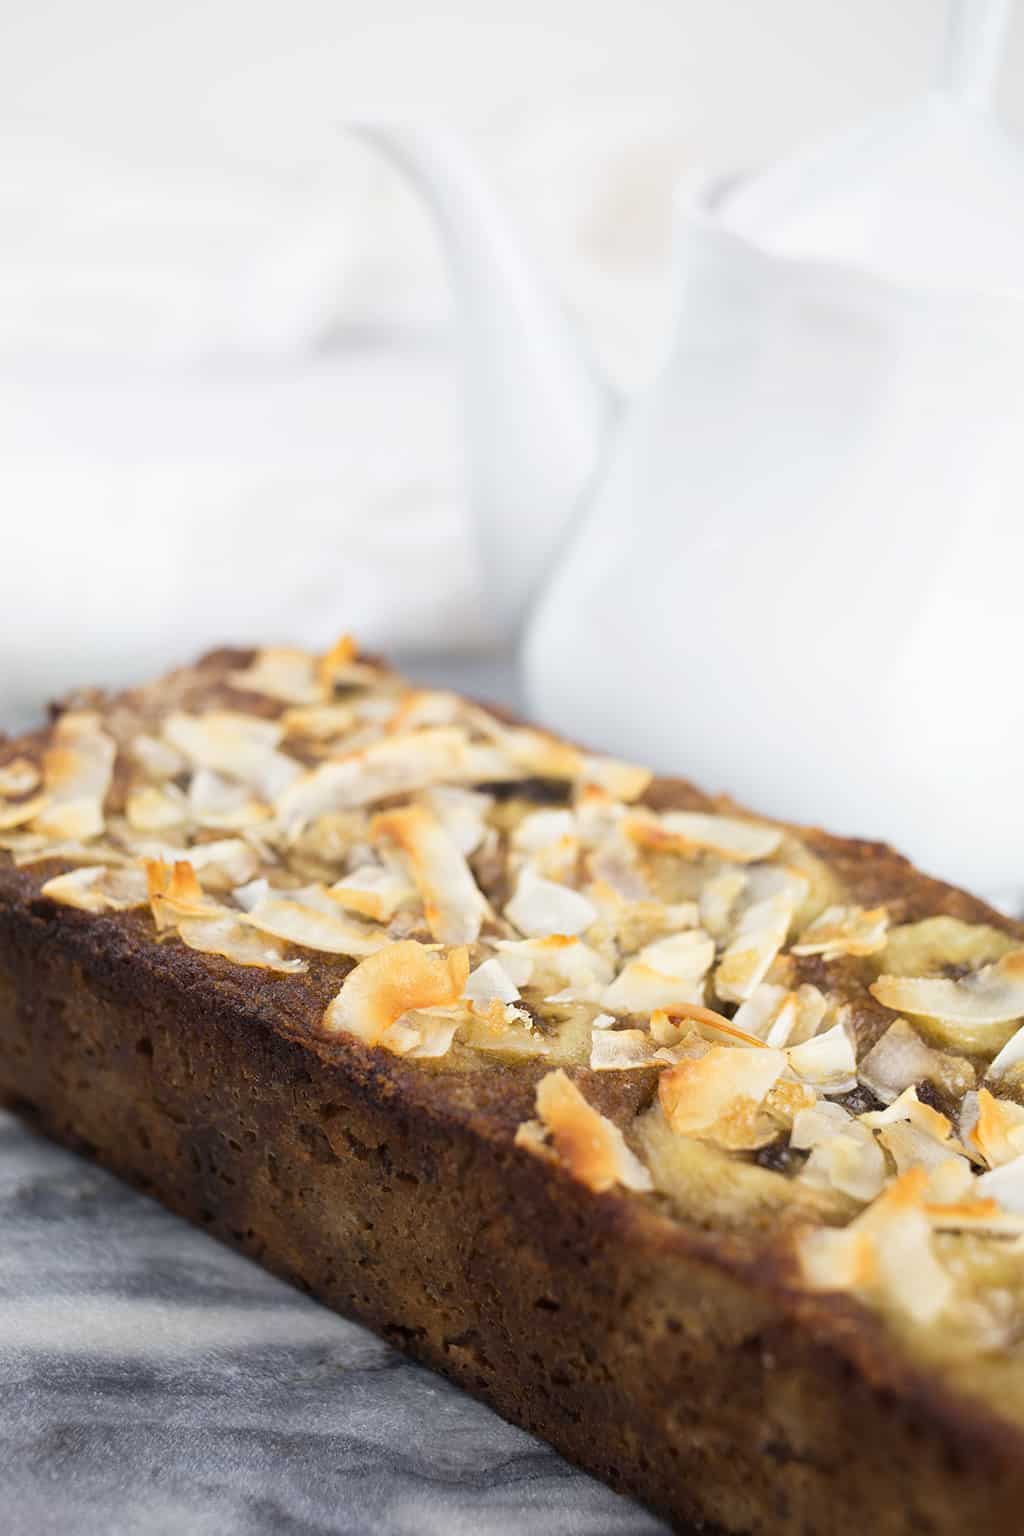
[[681, 1364]]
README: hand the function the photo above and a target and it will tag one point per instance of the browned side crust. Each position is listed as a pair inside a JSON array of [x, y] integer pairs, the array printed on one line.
[[674, 1364]]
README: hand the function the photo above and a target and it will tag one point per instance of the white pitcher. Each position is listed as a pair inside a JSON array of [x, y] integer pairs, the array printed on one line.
[[793, 567]]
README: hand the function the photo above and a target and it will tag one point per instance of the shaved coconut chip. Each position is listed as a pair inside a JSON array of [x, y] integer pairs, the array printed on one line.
[[175, 893], [542, 907], [717, 1095], [764, 880], [397, 765], [694, 832], [384, 986], [96, 888], [620, 1050], [340, 667], [425, 706], [556, 958], [17, 813], [491, 980], [603, 1021], [719, 898], [242, 746], [373, 891], [1005, 1185], [454, 905], [909, 1107], [828, 1060], [901, 1058], [844, 931], [420, 1035], [151, 807], [850, 1161], [249, 895], [217, 802], [33, 849], [686, 955], [818, 1124], [911, 1147], [462, 813], [281, 673], [228, 937], [531, 751], [759, 936], [18, 777], [321, 722], [623, 781], [950, 1182], [157, 758], [886, 1250], [615, 867], [1011, 1055], [639, 988], [541, 829], [588, 1145], [704, 1018], [997, 1133], [227, 862], [78, 767], [769, 1012], [974, 1012], [311, 919]]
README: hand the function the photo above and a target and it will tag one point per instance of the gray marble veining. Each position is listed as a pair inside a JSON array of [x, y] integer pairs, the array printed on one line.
[[153, 1382]]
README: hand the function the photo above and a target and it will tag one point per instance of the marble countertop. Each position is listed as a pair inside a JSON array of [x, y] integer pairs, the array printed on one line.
[[154, 1382]]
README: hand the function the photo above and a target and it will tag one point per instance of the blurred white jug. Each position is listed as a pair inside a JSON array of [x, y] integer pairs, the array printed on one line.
[[795, 563]]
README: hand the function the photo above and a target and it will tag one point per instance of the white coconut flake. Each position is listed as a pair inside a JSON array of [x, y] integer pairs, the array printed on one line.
[[844, 931], [228, 937], [828, 1061], [373, 890], [96, 888], [760, 934], [540, 907], [489, 981], [696, 832], [309, 918], [620, 1050]]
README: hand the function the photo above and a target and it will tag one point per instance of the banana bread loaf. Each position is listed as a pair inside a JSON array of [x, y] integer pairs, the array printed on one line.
[[691, 1141]]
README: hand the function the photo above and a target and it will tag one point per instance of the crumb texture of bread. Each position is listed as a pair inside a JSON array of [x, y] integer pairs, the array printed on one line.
[[685, 1139]]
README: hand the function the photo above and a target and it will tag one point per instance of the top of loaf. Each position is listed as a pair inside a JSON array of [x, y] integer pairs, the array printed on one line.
[[816, 1039]]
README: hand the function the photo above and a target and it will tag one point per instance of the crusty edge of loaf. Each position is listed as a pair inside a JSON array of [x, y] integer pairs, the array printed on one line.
[[677, 1365]]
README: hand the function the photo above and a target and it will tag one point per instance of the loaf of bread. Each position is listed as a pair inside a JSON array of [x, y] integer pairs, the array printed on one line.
[[690, 1141]]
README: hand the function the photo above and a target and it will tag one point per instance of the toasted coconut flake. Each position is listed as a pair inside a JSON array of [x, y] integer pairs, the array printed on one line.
[[540, 830], [158, 759], [402, 977], [321, 722], [850, 1160], [224, 863], [623, 781], [216, 802], [242, 746], [420, 1035], [979, 1012], [639, 988], [828, 1060], [280, 673], [252, 893], [462, 813], [18, 813], [553, 961], [340, 667], [718, 1096], [759, 936], [374, 891], [1005, 1185], [78, 768], [153, 807], [529, 751], [705, 1019], [541, 907], [454, 905], [770, 1013], [588, 1145], [18, 777], [310, 918], [396, 765], [817, 1124], [997, 1134], [901, 1058], [425, 706], [886, 1252], [174, 893], [1011, 1055], [489, 981], [620, 1050], [719, 897], [910, 1147], [95, 888], [229, 937], [845, 931], [910, 1108], [694, 832]]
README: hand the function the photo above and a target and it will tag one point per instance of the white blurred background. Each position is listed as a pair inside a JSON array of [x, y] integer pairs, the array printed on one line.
[[227, 399]]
